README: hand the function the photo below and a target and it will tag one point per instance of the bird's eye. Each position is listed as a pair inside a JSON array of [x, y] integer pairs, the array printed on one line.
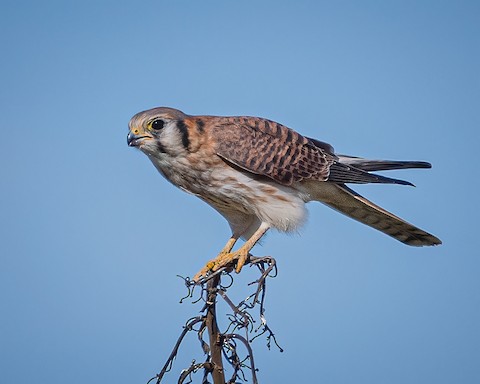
[[158, 124]]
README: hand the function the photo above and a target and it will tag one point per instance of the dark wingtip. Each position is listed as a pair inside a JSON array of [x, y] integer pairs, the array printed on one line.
[[423, 164], [404, 182]]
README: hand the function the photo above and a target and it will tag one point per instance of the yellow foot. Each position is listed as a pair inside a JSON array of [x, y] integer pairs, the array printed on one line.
[[224, 259]]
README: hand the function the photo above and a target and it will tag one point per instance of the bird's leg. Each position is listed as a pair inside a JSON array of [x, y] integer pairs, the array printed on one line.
[[211, 264], [228, 247], [225, 251], [226, 257]]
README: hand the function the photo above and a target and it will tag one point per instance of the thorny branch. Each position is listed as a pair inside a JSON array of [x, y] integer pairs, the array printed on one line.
[[222, 351]]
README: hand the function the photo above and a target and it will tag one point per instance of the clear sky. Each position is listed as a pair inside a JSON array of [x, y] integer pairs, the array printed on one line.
[[92, 237]]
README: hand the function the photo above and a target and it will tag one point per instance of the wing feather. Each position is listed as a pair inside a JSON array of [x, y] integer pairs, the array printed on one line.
[[267, 148], [270, 149]]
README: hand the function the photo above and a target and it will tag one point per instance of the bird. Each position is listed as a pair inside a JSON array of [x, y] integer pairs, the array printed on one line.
[[259, 174]]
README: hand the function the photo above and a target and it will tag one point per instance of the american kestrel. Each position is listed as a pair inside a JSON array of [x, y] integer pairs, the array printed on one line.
[[258, 174]]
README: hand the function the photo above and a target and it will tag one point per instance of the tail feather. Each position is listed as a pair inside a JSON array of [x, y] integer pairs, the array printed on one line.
[[350, 203]]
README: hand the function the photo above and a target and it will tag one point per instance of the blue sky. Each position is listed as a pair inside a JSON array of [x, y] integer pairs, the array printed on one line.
[[92, 237]]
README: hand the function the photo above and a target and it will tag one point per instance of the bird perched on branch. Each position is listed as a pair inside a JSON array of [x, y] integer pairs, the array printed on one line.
[[258, 174]]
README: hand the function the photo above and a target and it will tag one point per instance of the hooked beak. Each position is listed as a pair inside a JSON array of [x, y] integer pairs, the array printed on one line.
[[135, 140]]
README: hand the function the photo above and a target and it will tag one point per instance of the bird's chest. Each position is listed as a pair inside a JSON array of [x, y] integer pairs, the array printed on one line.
[[189, 173], [217, 183]]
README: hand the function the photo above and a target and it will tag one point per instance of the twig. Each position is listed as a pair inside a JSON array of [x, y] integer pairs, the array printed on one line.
[[188, 327], [220, 345]]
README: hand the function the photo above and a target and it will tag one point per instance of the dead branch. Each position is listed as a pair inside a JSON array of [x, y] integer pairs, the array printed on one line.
[[222, 350]]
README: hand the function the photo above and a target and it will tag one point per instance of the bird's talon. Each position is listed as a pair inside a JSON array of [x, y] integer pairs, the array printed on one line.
[[241, 262], [223, 260]]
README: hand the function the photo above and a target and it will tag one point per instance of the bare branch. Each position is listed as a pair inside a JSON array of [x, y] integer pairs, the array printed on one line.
[[221, 348]]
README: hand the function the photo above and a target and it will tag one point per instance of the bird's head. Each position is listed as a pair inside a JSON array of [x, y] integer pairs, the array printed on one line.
[[158, 130]]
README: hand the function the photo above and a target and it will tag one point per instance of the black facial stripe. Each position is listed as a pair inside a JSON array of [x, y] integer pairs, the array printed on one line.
[[200, 125], [160, 147], [184, 131]]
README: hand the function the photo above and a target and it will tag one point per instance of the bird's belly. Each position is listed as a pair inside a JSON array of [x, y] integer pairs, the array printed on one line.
[[239, 192]]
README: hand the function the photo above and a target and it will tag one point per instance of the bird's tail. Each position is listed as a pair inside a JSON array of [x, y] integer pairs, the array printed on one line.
[[350, 203]]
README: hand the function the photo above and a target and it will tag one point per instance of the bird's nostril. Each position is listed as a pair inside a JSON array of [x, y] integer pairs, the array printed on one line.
[[135, 131]]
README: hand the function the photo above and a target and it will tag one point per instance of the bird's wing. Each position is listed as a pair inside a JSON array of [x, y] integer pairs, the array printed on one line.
[[346, 201], [350, 169], [380, 165], [270, 149], [266, 148]]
